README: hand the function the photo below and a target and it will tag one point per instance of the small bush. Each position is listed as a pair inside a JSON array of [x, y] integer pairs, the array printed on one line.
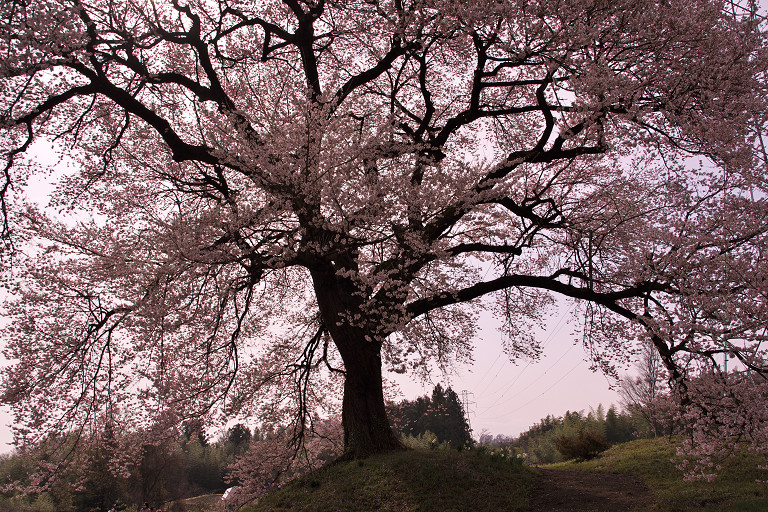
[[586, 445], [504, 454], [425, 441]]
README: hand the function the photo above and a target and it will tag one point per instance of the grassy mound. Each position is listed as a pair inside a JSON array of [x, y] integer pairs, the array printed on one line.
[[424, 481], [445, 481], [734, 489]]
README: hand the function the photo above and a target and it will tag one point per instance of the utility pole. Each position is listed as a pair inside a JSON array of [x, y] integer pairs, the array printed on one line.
[[465, 402]]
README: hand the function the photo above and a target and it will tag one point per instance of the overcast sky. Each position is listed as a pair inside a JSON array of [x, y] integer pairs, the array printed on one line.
[[504, 397], [508, 397]]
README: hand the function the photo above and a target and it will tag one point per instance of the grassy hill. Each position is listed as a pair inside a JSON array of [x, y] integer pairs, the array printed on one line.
[[735, 488], [444, 481], [424, 481]]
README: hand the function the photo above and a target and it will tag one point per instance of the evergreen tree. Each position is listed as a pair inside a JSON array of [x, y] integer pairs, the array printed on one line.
[[442, 414], [238, 438], [619, 428]]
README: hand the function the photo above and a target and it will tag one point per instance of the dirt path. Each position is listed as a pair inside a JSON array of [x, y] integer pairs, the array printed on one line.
[[577, 491]]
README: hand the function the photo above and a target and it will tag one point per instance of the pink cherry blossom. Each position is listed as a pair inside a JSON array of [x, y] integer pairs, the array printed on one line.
[[267, 202]]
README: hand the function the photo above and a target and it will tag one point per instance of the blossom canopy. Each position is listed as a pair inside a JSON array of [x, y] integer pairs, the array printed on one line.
[[260, 195]]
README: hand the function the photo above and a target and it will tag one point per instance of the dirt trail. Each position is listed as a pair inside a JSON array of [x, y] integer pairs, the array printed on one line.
[[576, 491]]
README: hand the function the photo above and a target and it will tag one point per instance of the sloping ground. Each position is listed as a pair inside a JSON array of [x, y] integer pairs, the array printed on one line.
[[424, 481], [204, 503], [637, 476], [445, 481], [650, 460]]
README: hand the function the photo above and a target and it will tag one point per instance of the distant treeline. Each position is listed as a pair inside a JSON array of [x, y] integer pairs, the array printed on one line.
[[442, 415], [170, 470], [576, 434], [190, 464]]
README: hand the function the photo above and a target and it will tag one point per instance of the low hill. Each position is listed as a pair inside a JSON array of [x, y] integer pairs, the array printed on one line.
[[636, 476], [439, 481], [735, 489]]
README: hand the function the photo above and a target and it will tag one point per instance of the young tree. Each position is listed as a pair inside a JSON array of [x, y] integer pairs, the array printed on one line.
[[643, 394], [268, 462], [356, 176]]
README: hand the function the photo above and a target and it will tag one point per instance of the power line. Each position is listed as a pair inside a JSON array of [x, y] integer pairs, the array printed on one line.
[[507, 413], [548, 389], [501, 352], [534, 381], [549, 338]]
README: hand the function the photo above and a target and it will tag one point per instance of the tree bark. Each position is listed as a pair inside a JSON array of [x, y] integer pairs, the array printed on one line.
[[364, 417]]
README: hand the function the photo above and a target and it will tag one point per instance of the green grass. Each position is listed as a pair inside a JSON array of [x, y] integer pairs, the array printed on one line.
[[734, 489], [424, 481], [445, 481]]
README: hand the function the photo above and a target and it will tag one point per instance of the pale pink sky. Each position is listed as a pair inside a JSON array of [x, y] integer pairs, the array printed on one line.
[[506, 398]]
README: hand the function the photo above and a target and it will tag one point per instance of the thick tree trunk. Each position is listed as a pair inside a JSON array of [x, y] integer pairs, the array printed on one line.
[[364, 417]]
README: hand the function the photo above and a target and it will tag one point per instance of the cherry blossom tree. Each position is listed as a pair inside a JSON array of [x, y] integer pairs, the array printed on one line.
[[271, 461], [266, 201]]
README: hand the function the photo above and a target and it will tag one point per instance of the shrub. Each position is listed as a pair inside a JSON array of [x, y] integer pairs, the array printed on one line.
[[586, 445], [506, 454], [426, 441]]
